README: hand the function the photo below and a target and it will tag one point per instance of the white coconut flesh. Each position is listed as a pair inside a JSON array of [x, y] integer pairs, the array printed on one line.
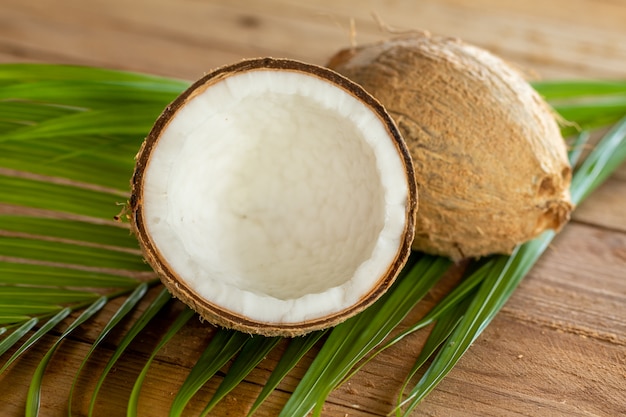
[[276, 196]]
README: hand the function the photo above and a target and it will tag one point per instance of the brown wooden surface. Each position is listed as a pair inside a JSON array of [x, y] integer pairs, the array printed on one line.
[[558, 348]]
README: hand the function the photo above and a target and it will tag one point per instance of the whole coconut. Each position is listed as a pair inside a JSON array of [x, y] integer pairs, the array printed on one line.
[[490, 163]]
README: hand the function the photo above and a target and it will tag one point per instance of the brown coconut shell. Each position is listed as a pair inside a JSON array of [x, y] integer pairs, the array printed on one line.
[[490, 162], [217, 314]]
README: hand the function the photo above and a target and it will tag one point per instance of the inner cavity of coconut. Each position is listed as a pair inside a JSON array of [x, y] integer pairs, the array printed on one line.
[[276, 195]]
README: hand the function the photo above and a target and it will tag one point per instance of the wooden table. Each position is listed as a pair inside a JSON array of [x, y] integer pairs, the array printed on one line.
[[558, 348]]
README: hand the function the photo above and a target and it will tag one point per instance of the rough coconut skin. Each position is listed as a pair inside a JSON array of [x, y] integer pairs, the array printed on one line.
[[490, 162]]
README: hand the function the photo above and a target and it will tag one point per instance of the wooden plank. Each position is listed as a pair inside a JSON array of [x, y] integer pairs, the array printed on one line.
[[572, 40], [564, 291], [145, 32], [76, 38], [508, 373], [607, 207], [169, 40]]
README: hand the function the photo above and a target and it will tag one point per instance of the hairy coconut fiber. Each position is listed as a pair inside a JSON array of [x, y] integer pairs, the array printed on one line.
[[490, 162]]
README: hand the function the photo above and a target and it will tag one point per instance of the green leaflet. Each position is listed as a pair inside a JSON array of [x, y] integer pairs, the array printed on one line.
[[591, 115], [104, 160], [8, 309], [223, 346], [46, 195], [253, 352], [42, 331], [101, 234], [69, 253], [585, 104], [11, 320], [12, 273], [159, 302], [20, 303], [123, 119], [130, 302], [444, 326], [92, 94], [18, 114], [16, 335], [605, 158], [29, 73], [296, 349], [34, 391], [133, 401], [577, 89]]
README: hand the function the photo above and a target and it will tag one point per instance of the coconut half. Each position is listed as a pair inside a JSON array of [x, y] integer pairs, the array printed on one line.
[[275, 197]]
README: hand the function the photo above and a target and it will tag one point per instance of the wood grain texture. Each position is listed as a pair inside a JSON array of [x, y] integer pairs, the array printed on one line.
[[558, 348]]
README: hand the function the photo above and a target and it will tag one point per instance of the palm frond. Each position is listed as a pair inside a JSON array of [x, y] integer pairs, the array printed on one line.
[[443, 328], [159, 302], [181, 320], [45, 276], [253, 352], [34, 392], [15, 336], [68, 136], [295, 351], [34, 338], [223, 346], [579, 89], [124, 309], [107, 235], [49, 195]]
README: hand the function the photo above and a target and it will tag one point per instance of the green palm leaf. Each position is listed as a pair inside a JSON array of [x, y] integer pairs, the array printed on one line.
[[159, 302], [124, 309], [13, 273], [92, 94], [178, 324], [68, 136], [71, 230], [70, 253], [579, 89], [443, 328], [41, 194], [253, 352], [121, 119], [17, 114], [224, 345], [16, 335], [34, 392], [296, 349], [34, 338]]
